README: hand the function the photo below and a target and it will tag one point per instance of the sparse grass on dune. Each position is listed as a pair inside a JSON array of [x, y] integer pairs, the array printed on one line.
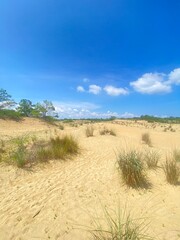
[[176, 155], [151, 158], [106, 131], [146, 139], [42, 151], [132, 168], [118, 225], [89, 131], [171, 170]]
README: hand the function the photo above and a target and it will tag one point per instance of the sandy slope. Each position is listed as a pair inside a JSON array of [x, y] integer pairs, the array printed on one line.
[[54, 200]]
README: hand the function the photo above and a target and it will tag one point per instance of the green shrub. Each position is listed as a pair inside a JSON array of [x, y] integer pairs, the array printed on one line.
[[172, 171], [10, 114], [133, 171], [146, 139]]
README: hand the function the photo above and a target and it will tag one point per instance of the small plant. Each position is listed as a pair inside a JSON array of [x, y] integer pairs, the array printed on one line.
[[106, 131], [19, 155], [56, 148], [118, 226], [176, 155], [146, 139], [172, 171], [132, 168], [151, 158], [89, 131], [61, 127]]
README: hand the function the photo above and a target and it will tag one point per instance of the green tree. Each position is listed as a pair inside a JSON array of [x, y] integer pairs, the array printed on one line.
[[45, 108], [5, 99], [25, 107]]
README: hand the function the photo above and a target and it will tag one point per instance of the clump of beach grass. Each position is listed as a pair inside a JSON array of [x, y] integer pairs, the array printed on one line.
[[118, 225], [133, 169], [146, 139], [106, 131], [56, 148], [19, 156], [176, 155], [89, 131], [43, 151], [151, 158], [171, 170]]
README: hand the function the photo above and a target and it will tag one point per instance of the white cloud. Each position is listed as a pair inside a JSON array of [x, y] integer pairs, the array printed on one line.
[[113, 91], [85, 110], [152, 83], [80, 89], [174, 76], [95, 89]]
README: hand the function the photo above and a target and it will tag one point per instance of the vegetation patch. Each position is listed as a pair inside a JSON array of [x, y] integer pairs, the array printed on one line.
[[176, 155], [151, 158], [118, 226], [106, 131], [146, 139], [132, 168], [27, 152], [89, 131], [171, 170]]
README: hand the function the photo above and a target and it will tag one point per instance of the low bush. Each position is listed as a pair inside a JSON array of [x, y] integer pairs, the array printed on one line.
[[10, 114]]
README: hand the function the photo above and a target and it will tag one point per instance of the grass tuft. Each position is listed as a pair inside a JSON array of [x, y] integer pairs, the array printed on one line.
[[89, 131], [133, 170], [146, 139], [42, 151], [172, 171], [151, 158], [19, 156], [106, 131], [118, 226], [176, 155]]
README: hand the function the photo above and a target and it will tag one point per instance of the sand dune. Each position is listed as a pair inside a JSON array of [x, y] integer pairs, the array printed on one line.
[[57, 200]]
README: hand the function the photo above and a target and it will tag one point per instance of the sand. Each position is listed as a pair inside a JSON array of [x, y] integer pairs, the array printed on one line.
[[58, 200]]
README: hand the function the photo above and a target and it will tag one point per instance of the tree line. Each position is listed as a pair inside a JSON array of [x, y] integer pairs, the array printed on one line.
[[25, 107]]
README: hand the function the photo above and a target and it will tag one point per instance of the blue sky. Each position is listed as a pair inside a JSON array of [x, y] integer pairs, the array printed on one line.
[[93, 58]]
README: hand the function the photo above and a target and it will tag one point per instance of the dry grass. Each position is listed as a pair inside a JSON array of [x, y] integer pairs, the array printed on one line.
[[171, 170], [43, 151], [118, 226], [133, 169], [106, 131], [146, 139], [89, 131], [151, 158], [176, 155]]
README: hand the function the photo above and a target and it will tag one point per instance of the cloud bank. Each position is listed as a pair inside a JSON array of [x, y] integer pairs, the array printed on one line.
[[154, 83], [85, 110]]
